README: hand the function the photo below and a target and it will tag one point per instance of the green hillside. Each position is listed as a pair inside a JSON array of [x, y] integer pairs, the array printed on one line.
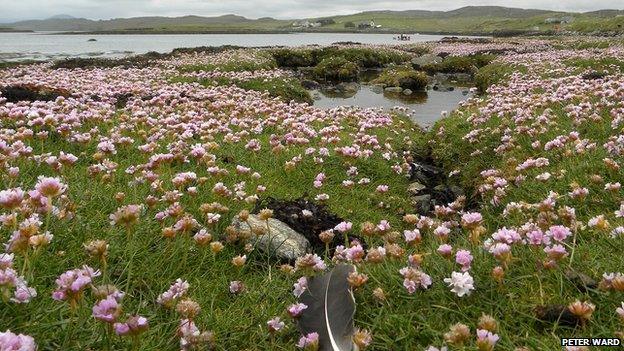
[[466, 20]]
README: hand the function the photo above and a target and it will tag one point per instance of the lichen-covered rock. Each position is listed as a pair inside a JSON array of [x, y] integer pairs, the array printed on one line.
[[278, 240], [415, 188]]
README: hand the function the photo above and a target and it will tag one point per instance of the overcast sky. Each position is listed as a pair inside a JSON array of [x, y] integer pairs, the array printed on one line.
[[104, 9]]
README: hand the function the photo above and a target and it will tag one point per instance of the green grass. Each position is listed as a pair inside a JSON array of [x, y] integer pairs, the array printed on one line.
[[148, 263], [152, 262], [595, 252]]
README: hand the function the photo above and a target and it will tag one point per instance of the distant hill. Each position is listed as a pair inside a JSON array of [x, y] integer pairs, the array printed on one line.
[[62, 16], [465, 20], [83, 24]]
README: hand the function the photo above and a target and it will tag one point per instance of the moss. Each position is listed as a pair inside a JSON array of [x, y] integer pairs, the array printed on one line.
[[361, 56], [404, 77], [336, 69], [293, 58]]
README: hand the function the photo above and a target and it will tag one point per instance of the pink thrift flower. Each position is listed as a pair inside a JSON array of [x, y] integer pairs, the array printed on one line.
[[460, 283], [300, 286], [343, 227], [309, 342], [296, 309], [50, 187], [107, 310], [275, 325], [464, 258], [70, 284], [135, 325], [412, 235], [237, 287], [176, 291], [620, 311], [558, 232], [486, 340], [445, 250], [16, 342], [414, 279]]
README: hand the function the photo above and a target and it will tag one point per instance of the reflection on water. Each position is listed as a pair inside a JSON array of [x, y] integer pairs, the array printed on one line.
[[427, 106]]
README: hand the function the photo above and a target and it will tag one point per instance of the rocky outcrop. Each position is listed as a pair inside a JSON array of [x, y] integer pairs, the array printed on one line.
[[429, 188]]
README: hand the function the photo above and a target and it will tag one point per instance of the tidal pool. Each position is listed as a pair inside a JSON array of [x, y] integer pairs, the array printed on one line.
[[425, 107]]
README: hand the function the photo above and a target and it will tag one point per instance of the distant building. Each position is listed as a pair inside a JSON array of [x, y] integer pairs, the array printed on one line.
[[306, 24], [559, 20], [369, 24]]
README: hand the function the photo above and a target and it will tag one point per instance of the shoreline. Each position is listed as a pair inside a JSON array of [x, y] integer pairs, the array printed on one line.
[[238, 32]]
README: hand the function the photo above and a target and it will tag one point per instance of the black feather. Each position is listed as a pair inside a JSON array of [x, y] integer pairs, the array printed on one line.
[[331, 308]]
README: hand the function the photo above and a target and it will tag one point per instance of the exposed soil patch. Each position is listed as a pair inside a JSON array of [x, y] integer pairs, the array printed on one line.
[[17, 93], [559, 314], [311, 225]]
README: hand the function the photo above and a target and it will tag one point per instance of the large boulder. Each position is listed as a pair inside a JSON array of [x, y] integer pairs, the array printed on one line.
[[278, 240], [347, 88]]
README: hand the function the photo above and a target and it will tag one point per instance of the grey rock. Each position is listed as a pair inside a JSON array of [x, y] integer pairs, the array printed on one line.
[[457, 191], [422, 203], [310, 84], [415, 188], [424, 60], [347, 88], [444, 194], [425, 174], [279, 240], [393, 89], [407, 92]]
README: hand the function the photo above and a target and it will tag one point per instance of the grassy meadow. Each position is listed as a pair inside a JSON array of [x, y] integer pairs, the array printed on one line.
[[138, 171]]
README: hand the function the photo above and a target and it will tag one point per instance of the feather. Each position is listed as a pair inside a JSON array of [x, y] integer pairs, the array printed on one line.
[[331, 308]]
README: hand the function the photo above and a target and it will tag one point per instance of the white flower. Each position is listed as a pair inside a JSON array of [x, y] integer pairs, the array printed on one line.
[[460, 283]]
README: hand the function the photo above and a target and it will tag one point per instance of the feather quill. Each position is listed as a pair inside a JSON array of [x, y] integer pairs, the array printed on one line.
[[331, 308]]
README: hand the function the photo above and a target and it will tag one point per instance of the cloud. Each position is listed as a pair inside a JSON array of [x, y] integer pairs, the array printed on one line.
[[103, 9]]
